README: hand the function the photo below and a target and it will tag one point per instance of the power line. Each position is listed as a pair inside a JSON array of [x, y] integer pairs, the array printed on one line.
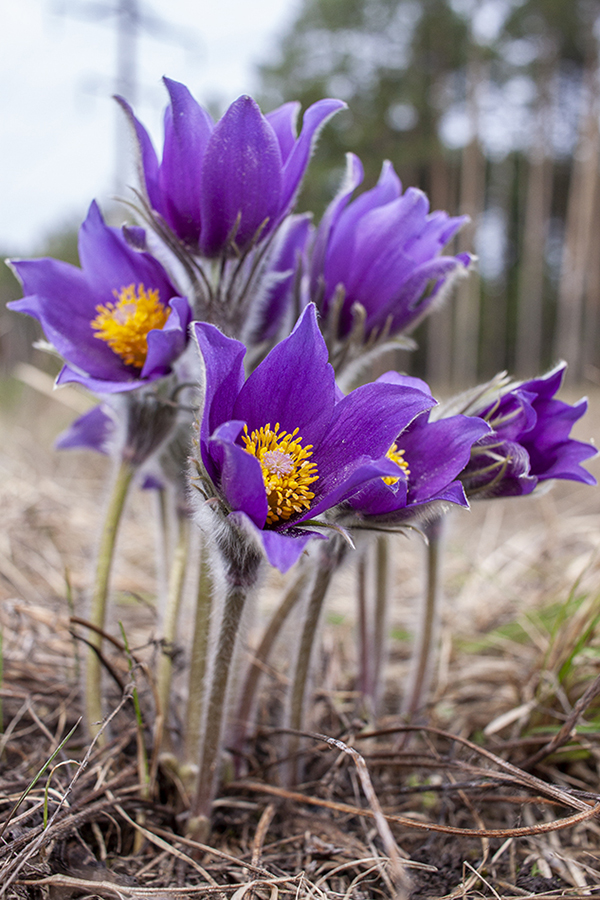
[[132, 20]]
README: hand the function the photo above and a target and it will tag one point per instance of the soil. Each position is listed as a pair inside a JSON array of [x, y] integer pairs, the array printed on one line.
[[510, 672]]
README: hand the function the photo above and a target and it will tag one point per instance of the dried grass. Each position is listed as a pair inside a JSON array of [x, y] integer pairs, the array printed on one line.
[[503, 807]]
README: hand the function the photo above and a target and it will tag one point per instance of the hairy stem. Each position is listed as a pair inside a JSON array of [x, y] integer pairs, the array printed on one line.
[[261, 655], [209, 759], [106, 552], [198, 661], [330, 556], [425, 650], [173, 605], [364, 644], [382, 602]]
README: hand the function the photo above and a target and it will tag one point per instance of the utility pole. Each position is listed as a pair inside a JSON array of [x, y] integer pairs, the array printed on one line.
[[131, 21]]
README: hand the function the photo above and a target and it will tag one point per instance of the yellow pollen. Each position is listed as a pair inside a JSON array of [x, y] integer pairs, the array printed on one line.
[[396, 456], [286, 471], [124, 325]]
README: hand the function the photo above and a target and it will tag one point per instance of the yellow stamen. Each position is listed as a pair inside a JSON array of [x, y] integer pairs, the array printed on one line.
[[124, 325], [285, 468], [396, 456]]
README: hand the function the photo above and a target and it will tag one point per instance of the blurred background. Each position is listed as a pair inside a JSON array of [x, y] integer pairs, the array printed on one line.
[[490, 106]]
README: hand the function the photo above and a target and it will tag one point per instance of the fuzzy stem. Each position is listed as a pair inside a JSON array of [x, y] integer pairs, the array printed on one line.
[[174, 595], [330, 556], [425, 650], [209, 761], [261, 655], [364, 648], [198, 660], [106, 552], [382, 601], [163, 536]]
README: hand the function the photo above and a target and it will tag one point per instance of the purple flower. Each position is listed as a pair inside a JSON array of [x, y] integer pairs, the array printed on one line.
[[429, 455], [274, 306], [221, 187], [117, 321], [94, 430], [383, 249], [281, 447], [529, 442]]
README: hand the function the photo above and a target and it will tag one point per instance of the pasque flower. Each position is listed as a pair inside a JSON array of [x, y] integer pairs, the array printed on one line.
[[221, 187], [281, 447], [429, 455], [94, 430], [117, 322], [529, 442], [274, 304], [382, 249]]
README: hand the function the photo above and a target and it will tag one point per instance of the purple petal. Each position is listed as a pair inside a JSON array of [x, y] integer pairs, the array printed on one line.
[[380, 238], [148, 158], [387, 189], [283, 122], [110, 264], [552, 453], [288, 248], [380, 499], [241, 479], [514, 414], [365, 425], [341, 484], [242, 178], [437, 452], [352, 178], [59, 297], [166, 344], [295, 166], [188, 128], [91, 431], [294, 385], [127, 382], [411, 381], [410, 303], [282, 549], [224, 376]]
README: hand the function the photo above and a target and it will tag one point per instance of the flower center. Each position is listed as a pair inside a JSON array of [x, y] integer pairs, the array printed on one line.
[[124, 325], [286, 471], [396, 456]]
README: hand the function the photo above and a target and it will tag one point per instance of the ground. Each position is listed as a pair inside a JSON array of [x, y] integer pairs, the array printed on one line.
[[520, 646]]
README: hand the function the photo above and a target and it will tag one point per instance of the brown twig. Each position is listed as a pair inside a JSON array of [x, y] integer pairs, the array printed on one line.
[[542, 828]]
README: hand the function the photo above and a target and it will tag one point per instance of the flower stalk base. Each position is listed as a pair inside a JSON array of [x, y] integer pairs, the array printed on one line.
[[93, 686]]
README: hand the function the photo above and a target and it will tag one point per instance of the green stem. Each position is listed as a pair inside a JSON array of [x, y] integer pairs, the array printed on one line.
[[330, 556], [198, 661], [143, 767], [174, 595], [382, 602], [93, 689], [425, 650], [364, 649], [206, 787], [163, 537], [261, 655]]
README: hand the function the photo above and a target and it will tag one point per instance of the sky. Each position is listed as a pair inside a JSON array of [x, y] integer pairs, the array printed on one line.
[[57, 118]]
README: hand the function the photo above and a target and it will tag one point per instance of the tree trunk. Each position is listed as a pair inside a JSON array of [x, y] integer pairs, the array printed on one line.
[[528, 359], [578, 232], [472, 198]]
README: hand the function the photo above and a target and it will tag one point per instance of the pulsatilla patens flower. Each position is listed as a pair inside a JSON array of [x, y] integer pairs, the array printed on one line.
[[281, 447], [529, 442], [222, 187], [430, 456], [382, 250], [117, 321]]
